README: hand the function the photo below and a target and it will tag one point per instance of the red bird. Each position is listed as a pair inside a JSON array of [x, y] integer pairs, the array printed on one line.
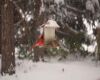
[[39, 42]]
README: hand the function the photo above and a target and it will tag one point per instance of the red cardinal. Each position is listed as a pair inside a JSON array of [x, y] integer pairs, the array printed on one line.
[[39, 42]]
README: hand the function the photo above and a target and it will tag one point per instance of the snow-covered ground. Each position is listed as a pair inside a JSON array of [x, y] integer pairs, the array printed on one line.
[[67, 70]]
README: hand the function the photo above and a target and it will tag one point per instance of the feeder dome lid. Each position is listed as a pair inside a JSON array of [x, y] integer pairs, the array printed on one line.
[[52, 23]]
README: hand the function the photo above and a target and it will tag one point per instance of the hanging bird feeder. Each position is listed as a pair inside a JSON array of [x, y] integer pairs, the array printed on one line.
[[49, 30], [48, 37]]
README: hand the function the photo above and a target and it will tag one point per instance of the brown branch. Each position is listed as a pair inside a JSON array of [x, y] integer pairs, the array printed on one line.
[[75, 9], [18, 9]]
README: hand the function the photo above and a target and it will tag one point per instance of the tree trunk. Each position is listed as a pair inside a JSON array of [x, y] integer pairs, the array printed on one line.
[[7, 39], [0, 26], [98, 43]]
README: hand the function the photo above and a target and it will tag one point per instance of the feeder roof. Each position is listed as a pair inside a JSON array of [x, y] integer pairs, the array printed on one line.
[[52, 23]]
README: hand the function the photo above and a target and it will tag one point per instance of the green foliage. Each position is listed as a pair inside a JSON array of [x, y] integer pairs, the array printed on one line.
[[75, 41], [23, 53], [56, 52]]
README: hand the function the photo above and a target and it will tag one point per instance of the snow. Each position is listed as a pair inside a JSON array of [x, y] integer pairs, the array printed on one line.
[[88, 27], [21, 12], [28, 17], [85, 47], [68, 70], [40, 29], [42, 8], [89, 33], [59, 1], [90, 6], [92, 47]]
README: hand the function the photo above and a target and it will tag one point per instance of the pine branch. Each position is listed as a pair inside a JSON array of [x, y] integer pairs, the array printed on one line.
[[71, 29]]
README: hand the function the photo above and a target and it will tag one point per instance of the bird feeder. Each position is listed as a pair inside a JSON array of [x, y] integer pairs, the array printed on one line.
[[49, 30]]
